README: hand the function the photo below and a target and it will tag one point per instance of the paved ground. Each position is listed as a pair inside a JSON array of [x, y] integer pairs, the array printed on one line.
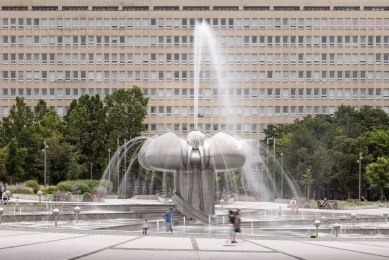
[[41, 244]]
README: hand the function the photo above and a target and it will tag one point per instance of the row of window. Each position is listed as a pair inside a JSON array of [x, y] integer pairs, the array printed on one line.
[[207, 93], [183, 23], [231, 41], [278, 111], [245, 128], [267, 93], [196, 8], [53, 93], [245, 111], [206, 58], [161, 76], [59, 109]]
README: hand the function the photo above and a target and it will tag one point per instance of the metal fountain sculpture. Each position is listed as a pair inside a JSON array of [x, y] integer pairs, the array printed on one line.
[[195, 162]]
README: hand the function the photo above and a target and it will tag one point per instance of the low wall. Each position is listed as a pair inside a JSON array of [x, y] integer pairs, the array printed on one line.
[[227, 202], [165, 201], [30, 197], [145, 197]]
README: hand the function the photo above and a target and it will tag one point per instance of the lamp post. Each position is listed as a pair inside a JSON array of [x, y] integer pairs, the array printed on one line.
[[274, 167], [282, 175], [44, 150], [91, 165], [359, 187], [109, 169], [267, 163]]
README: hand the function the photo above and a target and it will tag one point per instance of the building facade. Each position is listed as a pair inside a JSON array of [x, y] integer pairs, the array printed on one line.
[[275, 62]]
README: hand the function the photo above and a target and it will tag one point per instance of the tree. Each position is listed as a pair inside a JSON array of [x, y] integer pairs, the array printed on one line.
[[14, 161], [307, 179], [85, 128], [20, 117], [74, 169], [378, 173], [345, 154], [40, 111], [126, 112], [378, 142]]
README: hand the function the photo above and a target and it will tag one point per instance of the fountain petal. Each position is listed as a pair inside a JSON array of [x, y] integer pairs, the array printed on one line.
[[226, 153], [164, 153]]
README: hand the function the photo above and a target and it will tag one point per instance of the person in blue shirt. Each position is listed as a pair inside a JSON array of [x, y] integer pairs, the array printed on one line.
[[169, 220]]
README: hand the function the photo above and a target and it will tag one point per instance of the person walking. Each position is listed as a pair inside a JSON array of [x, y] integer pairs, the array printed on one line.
[[168, 220], [237, 227], [145, 227]]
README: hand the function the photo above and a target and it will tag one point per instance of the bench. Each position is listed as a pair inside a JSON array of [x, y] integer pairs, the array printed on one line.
[[353, 201], [60, 195]]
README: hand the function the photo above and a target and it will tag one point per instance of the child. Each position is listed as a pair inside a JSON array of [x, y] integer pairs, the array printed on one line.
[[145, 227]]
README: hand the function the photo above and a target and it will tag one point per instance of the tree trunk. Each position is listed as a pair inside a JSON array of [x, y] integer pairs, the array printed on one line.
[[382, 194], [308, 192], [349, 194]]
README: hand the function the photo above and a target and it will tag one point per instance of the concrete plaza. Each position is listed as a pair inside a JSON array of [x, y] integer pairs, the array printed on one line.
[[34, 243]]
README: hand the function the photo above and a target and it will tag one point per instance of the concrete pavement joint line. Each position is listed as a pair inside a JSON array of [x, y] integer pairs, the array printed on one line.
[[275, 251], [37, 243], [354, 251], [194, 243], [22, 234], [361, 243], [191, 250], [105, 248]]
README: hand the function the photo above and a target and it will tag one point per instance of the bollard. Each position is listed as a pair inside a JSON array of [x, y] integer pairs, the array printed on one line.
[[386, 216], [336, 227], [55, 213], [317, 224], [353, 215], [1, 213], [39, 193], [77, 210]]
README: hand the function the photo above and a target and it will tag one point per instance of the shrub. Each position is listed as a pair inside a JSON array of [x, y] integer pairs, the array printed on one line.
[[32, 184], [64, 185], [50, 189], [83, 185], [19, 186]]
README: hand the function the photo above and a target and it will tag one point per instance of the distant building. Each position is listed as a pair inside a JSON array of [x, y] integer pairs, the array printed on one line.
[[278, 60]]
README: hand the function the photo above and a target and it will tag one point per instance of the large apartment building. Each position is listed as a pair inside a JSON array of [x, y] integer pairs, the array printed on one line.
[[276, 60]]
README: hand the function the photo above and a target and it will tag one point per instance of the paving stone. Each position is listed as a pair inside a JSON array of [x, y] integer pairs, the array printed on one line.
[[148, 242]]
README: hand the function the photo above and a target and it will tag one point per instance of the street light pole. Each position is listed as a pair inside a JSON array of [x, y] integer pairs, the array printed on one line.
[[359, 188], [267, 163], [109, 169], [125, 166], [44, 150], [274, 167], [282, 175]]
